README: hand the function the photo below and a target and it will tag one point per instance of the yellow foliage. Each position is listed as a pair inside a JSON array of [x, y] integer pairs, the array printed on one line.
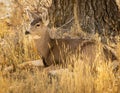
[[4, 27]]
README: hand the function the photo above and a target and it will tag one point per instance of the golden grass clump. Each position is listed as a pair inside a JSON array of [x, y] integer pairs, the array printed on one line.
[[81, 79]]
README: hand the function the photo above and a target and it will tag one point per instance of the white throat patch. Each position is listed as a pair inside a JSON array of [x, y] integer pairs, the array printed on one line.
[[36, 37]]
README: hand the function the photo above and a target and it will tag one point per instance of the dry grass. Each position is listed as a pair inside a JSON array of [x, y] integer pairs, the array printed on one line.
[[15, 49], [81, 79]]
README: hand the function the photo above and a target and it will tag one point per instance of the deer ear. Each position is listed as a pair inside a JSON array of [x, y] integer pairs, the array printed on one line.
[[32, 15], [45, 19], [46, 22]]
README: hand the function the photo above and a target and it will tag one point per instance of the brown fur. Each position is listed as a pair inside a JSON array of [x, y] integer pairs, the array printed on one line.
[[57, 50]]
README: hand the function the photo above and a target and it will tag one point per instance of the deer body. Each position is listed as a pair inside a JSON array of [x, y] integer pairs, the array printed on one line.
[[56, 50]]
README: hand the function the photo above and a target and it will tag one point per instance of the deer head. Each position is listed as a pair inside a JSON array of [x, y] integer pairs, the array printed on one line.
[[39, 31], [39, 22]]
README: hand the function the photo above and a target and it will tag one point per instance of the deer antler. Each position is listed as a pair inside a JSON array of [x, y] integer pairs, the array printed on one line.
[[45, 3], [40, 8]]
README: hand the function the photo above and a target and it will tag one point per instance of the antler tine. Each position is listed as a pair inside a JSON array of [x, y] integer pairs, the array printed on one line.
[[44, 15], [40, 9], [44, 3]]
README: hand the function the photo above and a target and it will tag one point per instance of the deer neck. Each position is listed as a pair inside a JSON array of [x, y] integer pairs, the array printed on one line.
[[45, 37], [42, 43]]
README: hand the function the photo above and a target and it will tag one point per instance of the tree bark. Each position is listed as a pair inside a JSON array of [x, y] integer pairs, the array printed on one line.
[[61, 12], [100, 16], [95, 16]]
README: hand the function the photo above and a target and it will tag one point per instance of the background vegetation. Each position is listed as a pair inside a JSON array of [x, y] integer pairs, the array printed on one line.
[[16, 48]]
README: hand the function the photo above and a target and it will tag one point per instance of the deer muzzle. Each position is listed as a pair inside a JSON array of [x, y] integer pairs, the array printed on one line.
[[27, 32]]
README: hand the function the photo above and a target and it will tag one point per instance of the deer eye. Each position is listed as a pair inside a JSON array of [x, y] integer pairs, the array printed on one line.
[[38, 25]]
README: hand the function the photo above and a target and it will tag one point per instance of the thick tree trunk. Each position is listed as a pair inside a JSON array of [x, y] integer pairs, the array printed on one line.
[[101, 16], [61, 12]]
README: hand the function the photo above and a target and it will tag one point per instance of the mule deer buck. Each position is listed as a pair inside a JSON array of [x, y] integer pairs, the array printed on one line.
[[57, 50]]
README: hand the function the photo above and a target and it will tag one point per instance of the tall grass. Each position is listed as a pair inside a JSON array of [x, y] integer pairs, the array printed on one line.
[[16, 48], [83, 78]]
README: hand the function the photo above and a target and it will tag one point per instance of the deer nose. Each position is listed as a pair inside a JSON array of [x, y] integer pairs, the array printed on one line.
[[27, 32]]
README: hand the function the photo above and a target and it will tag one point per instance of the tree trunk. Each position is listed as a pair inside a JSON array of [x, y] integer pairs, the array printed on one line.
[[100, 16], [95, 16], [61, 12]]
